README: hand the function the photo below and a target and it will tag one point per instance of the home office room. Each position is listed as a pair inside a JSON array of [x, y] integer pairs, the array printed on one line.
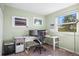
[[39, 29]]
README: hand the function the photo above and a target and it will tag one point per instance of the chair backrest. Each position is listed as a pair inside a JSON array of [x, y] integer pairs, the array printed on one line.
[[37, 41]]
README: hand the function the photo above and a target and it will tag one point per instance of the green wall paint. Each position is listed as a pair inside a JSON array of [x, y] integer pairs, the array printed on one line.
[[11, 32], [66, 38]]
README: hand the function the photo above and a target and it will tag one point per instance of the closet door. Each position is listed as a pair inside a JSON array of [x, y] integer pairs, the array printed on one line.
[[1, 23]]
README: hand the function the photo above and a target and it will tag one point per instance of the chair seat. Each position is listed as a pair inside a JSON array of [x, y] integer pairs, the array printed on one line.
[[38, 47]]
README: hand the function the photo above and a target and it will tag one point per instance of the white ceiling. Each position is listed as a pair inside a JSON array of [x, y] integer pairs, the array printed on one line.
[[41, 8]]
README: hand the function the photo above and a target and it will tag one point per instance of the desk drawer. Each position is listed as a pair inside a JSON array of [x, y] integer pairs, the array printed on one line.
[[19, 48]]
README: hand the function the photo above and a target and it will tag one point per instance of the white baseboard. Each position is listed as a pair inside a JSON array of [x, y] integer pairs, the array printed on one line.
[[69, 50], [66, 49], [77, 53]]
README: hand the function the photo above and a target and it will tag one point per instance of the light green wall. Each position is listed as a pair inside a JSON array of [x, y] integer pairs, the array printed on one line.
[[11, 32], [66, 38]]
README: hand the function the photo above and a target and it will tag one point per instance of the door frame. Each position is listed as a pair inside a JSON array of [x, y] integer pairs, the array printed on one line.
[[1, 27]]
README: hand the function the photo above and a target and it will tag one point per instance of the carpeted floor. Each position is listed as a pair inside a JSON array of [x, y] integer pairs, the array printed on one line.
[[48, 52]]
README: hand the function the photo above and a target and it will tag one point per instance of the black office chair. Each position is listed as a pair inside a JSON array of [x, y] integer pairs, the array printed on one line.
[[39, 46]]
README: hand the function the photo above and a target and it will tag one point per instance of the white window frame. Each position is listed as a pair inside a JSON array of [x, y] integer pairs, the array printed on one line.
[[13, 21], [56, 25]]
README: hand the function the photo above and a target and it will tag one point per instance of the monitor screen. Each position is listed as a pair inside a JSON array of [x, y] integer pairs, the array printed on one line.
[[33, 32]]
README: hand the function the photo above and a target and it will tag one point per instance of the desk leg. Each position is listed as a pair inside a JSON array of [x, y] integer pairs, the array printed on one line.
[[27, 50]]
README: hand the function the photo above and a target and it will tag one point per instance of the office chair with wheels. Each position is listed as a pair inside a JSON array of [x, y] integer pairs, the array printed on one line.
[[39, 46]]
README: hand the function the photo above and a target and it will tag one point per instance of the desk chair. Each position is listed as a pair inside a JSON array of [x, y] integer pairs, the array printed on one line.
[[39, 46]]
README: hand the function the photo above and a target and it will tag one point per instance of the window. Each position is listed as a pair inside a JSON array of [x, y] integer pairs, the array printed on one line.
[[67, 23], [19, 21]]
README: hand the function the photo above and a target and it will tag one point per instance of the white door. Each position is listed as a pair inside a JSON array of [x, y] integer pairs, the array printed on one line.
[[1, 29]]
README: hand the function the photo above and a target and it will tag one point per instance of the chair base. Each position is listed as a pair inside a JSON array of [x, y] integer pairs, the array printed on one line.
[[39, 48]]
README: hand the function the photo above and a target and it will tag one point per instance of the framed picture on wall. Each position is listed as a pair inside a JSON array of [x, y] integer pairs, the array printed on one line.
[[52, 26], [19, 21], [37, 21]]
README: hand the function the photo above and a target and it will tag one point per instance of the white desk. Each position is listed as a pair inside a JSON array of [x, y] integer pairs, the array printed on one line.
[[27, 38], [23, 40], [53, 39], [30, 38]]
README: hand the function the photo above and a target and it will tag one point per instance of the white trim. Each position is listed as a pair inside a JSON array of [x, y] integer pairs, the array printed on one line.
[[68, 23], [69, 50], [56, 24], [77, 52], [66, 49], [1, 31], [13, 21], [37, 18]]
